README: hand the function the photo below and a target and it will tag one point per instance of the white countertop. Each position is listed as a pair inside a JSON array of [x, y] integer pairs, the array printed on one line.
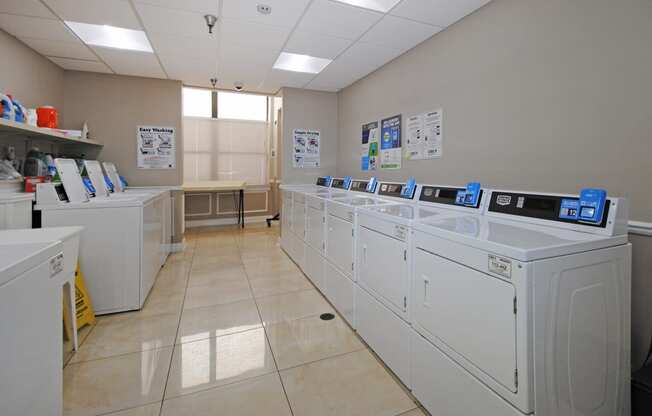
[[214, 186]]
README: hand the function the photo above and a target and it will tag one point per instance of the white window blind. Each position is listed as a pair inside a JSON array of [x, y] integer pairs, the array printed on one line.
[[225, 150]]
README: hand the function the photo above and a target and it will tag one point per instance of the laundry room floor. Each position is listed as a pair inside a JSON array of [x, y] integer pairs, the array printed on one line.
[[230, 328]]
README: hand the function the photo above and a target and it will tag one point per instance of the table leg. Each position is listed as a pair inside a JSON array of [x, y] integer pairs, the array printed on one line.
[[242, 206]]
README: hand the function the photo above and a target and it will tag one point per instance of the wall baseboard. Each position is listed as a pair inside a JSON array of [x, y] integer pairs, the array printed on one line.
[[225, 221], [178, 247]]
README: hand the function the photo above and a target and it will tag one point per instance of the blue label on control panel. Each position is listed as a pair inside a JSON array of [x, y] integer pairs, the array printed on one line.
[[347, 182], [371, 186], [328, 179], [89, 185], [108, 183], [409, 188], [591, 205], [472, 194], [569, 209]]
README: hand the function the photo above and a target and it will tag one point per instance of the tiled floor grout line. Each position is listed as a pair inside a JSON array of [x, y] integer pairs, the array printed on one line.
[[260, 316], [176, 334]]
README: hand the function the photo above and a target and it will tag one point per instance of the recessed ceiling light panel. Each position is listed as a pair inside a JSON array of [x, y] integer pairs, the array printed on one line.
[[301, 63], [377, 5], [111, 36]]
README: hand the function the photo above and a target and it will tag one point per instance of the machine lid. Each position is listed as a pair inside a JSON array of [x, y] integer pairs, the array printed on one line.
[[521, 241], [405, 212], [16, 259]]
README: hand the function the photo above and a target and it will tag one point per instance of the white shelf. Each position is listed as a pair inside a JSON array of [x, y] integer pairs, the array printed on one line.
[[12, 128]]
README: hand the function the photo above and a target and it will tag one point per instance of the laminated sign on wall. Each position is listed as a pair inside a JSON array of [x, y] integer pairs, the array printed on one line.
[[390, 143], [156, 148], [305, 148], [424, 139], [369, 156]]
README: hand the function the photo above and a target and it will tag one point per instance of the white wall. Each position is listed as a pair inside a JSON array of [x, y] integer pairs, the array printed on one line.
[[315, 110]]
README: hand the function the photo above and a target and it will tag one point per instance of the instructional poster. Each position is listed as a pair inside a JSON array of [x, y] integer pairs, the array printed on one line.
[[390, 143], [425, 137], [156, 147], [369, 153], [306, 148]]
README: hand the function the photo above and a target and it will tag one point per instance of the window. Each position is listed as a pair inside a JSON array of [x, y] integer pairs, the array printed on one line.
[[238, 106], [197, 102], [232, 146]]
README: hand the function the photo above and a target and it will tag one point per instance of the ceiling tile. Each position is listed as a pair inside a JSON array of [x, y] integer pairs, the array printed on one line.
[[437, 12], [280, 78], [32, 8], [316, 45], [412, 33], [350, 67], [184, 47], [195, 71], [337, 20], [247, 64], [171, 21], [34, 27], [117, 13], [285, 13], [141, 64], [80, 65], [378, 5], [200, 6], [241, 33], [76, 50]]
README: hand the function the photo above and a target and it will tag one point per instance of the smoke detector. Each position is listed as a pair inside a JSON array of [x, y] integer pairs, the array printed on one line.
[[210, 22], [264, 9]]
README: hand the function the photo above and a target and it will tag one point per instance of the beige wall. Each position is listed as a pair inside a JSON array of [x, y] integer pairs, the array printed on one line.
[[30, 77], [114, 106], [537, 95], [305, 109]]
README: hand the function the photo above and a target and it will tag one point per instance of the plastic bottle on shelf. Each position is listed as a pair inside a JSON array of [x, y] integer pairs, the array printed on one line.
[[7, 110]]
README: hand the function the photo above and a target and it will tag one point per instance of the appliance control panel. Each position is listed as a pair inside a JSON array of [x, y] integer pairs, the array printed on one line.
[[469, 196], [447, 195], [395, 190], [591, 207], [324, 180], [362, 186], [339, 183]]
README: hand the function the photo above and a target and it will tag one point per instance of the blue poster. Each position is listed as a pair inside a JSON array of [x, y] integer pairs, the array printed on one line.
[[390, 143]]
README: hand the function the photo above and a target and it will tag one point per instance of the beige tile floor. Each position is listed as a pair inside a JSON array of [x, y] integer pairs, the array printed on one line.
[[231, 328]]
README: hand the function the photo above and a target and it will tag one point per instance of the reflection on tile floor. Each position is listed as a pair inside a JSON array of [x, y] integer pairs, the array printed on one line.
[[222, 319]]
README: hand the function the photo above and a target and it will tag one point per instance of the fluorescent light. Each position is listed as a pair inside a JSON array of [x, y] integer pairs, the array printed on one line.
[[111, 36], [301, 63], [378, 5]]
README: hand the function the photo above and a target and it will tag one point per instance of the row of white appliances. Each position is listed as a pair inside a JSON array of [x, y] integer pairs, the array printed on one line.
[[482, 301], [126, 237]]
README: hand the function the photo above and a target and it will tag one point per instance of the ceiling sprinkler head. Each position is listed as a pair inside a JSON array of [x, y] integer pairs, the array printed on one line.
[[210, 22], [264, 9], [238, 86], [213, 82]]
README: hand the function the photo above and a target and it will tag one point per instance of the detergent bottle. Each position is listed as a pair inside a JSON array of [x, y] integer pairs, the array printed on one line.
[[20, 112], [7, 108]]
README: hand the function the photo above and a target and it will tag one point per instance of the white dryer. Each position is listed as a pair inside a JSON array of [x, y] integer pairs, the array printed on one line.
[[315, 235], [525, 310], [384, 262], [341, 220]]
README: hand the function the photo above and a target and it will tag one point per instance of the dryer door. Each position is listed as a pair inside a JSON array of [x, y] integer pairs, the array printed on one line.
[[315, 228], [467, 313], [339, 249], [299, 219], [383, 268]]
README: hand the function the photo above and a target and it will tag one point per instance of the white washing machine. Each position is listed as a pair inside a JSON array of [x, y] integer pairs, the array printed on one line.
[[341, 220], [31, 379], [121, 244], [384, 262], [315, 235], [289, 240], [525, 310]]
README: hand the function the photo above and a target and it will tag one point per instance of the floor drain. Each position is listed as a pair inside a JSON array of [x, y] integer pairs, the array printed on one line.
[[326, 316]]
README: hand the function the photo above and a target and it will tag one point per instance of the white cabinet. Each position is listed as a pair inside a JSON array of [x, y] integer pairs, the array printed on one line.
[[315, 224], [299, 219]]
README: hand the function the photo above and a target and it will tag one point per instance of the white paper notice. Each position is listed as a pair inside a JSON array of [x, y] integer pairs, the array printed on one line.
[[306, 148], [425, 136], [156, 147]]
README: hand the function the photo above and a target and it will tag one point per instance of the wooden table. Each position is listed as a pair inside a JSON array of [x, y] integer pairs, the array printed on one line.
[[221, 186]]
